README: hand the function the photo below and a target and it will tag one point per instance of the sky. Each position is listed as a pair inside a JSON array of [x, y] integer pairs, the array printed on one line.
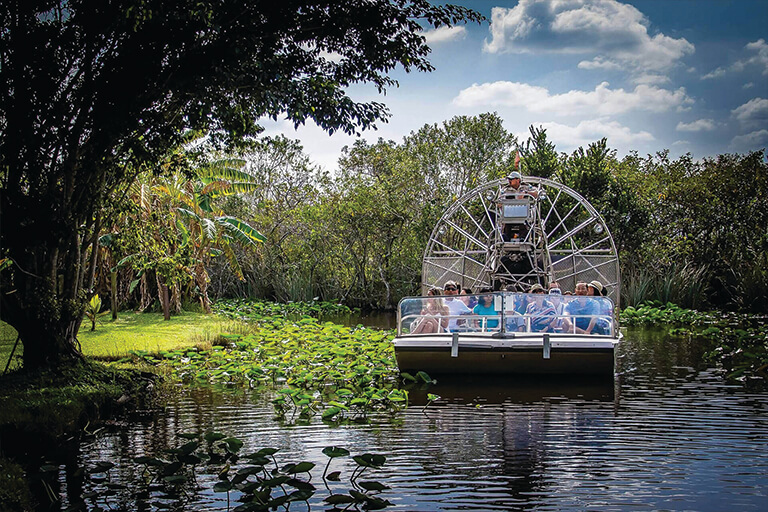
[[688, 76]]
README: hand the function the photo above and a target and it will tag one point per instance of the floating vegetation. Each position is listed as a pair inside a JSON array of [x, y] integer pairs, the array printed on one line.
[[320, 367], [741, 339], [655, 312], [741, 352], [247, 309], [254, 480]]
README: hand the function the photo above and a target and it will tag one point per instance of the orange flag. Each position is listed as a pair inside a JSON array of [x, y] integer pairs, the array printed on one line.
[[517, 160]]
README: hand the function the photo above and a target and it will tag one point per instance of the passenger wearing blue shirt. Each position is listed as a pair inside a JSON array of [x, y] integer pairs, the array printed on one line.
[[540, 311], [583, 310], [604, 307], [485, 308]]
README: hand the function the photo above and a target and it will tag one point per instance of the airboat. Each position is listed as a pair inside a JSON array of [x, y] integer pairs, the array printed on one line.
[[506, 242]]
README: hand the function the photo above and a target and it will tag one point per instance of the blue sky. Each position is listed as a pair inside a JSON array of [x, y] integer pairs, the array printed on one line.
[[683, 75]]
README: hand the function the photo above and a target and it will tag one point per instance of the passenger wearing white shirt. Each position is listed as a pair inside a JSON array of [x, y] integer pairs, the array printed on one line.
[[457, 307]]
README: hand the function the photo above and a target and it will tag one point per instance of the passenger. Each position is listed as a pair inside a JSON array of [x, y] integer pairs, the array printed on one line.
[[486, 308], [467, 298], [603, 325], [456, 307], [541, 312], [434, 308], [556, 298], [583, 310]]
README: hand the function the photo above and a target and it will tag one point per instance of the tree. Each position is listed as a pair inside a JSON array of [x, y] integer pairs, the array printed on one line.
[[463, 153], [538, 155], [92, 92], [174, 229]]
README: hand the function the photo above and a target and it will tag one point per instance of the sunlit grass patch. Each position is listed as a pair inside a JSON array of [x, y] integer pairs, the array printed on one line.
[[7, 341], [148, 332]]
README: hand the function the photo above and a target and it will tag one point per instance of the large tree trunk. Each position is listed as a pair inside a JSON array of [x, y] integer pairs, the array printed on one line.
[[42, 294], [46, 323]]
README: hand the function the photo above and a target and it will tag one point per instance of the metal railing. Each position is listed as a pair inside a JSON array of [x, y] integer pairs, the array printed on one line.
[[507, 317]]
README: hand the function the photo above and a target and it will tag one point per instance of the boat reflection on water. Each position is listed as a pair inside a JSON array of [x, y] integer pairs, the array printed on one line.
[[476, 389]]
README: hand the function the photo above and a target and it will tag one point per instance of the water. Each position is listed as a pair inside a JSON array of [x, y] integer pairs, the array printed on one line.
[[666, 434]]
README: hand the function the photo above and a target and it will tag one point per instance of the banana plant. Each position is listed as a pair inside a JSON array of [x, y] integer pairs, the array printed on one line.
[[93, 310]]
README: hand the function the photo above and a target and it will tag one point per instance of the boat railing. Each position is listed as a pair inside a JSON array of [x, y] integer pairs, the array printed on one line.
[[553, 315]]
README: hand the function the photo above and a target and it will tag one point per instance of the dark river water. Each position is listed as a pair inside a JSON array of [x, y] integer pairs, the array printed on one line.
[[666, 434]]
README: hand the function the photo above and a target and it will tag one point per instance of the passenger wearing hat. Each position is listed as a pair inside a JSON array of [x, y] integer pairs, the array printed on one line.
[[541, 311], [604, 307], [596, 289]]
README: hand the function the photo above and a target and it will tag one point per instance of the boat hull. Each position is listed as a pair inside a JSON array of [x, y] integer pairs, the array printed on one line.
[[521, 355]]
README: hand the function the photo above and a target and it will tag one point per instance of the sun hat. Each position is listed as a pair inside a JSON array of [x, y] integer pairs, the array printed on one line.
[[514, 175], [597, 285], [536, 287]]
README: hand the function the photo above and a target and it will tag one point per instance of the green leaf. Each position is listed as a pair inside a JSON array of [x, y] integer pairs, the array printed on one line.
[[373, 486], [339, 499], [301, 467], [335, 451], [222, 486]]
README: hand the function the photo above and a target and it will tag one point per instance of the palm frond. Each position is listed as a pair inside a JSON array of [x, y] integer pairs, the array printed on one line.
[[209, 228], [188, 214], [232, 259], [216, 185], [182, 229], [227, 168], [241, 231]]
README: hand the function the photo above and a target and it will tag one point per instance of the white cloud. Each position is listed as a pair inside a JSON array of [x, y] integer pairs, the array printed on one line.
[[650, 79], [681, 143], [750, 142], [601, 101], [444, 34], [599, 63], [761, 59], [696, 126], [748, 85], [752, 113], [611, 31], [589, 131], [714, 74]]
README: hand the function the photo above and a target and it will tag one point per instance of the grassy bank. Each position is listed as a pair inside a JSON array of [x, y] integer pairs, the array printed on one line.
[[57, 400], [148, 332], [132, 331]]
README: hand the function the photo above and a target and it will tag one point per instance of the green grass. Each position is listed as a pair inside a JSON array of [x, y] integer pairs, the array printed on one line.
[[114, 339], [7, 340], [132, 331]]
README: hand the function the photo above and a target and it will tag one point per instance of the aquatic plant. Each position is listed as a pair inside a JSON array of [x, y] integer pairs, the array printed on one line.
[[741, 339], [741, 352], [657, 312], [258, 480], [321, 367], [249, 309]]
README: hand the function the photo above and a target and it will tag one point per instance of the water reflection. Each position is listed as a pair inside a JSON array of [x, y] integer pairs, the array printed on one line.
[[667, 433]]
